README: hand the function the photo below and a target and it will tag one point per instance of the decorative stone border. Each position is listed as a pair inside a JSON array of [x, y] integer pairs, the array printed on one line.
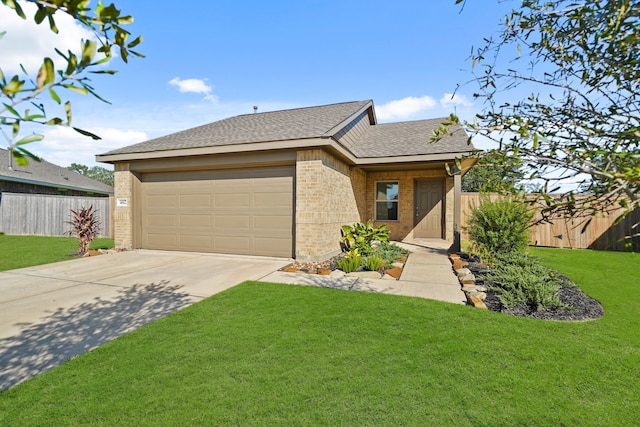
[[475, 294]]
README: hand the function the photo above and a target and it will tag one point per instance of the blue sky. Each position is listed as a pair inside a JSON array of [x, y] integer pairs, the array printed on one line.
[[209, 60]]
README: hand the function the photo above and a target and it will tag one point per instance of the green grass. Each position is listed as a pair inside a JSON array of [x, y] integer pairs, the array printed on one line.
[[268, 354], [26, 251]]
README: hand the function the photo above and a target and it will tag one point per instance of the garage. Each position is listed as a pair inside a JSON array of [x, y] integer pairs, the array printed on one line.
[[234, 211]]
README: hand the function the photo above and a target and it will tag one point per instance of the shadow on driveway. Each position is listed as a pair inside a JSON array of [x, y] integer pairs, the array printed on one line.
[[69, 332]]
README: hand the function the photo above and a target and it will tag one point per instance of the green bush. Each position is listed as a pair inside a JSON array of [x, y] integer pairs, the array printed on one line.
[[390, 253], [373, 263], [499, 226], [349, 263], [519, 278], [361, 235]]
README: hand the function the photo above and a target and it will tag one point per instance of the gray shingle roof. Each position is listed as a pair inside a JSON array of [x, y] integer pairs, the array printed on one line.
[[409, 139], [378, 140], [299, 123], [49, 175]]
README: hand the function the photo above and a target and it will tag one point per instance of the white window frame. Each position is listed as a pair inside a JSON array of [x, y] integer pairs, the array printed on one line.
[[376, 200]]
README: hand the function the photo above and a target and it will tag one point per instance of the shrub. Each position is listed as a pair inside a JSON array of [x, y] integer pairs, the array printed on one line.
[[351, 262], [519, 278], [84, 224], [390, 253], [361, 235], [499, 226], [373, 263]]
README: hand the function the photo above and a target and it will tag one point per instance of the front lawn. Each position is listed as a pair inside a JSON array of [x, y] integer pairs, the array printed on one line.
[[270, 354], [26, 251]]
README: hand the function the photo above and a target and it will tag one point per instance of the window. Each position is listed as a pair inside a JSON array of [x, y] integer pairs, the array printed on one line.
[[387, 201]]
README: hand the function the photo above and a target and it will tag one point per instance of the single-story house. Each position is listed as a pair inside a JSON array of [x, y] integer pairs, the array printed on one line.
[[46, 178], [282, 183]]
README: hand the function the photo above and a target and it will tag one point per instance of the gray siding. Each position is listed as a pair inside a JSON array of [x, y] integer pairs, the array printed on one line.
[[46, 215], [350, 133]]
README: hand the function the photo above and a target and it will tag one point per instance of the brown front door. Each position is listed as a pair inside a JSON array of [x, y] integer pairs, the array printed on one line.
[[428, 208]]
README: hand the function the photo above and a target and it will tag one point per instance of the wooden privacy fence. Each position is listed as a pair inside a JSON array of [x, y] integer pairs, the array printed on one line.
[[46, 215], [602, 233]]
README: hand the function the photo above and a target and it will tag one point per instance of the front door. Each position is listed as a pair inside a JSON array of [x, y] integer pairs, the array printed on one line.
[[428, 208]]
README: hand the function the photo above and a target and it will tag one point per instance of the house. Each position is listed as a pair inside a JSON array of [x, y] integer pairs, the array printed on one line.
[[282, 183], [46, 178]]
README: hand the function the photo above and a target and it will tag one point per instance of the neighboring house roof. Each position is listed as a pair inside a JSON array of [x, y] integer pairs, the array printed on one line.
[[300, 127], [47, 174]]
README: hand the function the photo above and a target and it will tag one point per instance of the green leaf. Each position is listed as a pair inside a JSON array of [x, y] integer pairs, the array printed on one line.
[[54, 121], [12, 110], [46, 74], [88, 53], [67, 109], [80, 90], [87, 133], [29, 139], [54, 96]]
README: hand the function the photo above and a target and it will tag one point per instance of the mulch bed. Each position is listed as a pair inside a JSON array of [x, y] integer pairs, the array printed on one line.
[[583, 307]]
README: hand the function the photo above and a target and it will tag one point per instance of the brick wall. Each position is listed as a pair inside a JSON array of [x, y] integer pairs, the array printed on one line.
[[403, 228], [123, 215], [329, 194]]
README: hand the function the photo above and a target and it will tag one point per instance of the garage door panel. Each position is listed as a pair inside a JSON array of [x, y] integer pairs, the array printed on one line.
[[232, 200], [195, 221], [247, 211], [162, 220], [232, 222], [162, 201], [238, 244], [162, 241], [272, 222]]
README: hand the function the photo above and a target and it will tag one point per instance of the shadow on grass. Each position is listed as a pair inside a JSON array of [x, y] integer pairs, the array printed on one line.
[[69, 332]]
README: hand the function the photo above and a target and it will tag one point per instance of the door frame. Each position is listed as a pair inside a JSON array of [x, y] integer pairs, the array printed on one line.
[[443, 199]]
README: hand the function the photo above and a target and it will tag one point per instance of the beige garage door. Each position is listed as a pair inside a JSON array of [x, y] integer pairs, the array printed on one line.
[[247, 211]]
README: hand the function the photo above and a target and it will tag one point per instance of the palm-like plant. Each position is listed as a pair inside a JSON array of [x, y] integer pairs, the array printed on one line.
[[84, 224]]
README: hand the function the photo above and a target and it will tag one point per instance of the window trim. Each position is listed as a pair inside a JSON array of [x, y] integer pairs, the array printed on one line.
[[376, 200]]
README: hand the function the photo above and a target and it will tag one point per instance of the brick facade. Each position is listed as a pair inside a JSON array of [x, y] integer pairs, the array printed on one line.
[[123, 215], [403, 228], [328, 195]]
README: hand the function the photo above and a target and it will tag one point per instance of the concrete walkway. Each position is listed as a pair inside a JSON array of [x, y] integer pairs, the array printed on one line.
[[51, 313], [426, 274]]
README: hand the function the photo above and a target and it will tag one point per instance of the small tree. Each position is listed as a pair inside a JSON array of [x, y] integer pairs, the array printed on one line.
[[84, 224]]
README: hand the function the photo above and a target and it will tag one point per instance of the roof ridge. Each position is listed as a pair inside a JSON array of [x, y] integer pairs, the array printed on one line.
[[303, 108]]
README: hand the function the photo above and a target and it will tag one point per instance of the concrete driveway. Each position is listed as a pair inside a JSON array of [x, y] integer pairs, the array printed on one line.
[[51, 313]]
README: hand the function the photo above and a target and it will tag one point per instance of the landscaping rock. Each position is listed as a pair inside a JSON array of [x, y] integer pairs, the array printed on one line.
[[471, 288], [91, 253], [290, 269], [476, 302], [324, 271], [388, 277], [458, 264], [337, 273], [398, 264], [394, 272], [468, 277], [365, 274], [463, 272], [481, 295]]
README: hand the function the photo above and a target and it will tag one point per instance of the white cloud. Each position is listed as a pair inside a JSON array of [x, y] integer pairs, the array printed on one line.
[[27, 43], [404, 108], [194, 86], [63, 145], [450, 100]]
